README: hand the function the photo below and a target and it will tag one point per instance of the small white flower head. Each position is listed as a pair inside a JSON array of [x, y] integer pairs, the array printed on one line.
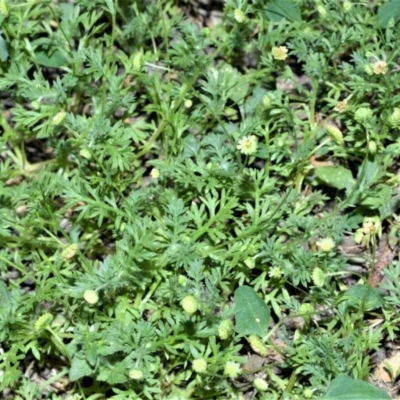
[[188, 103], [91, 296], [326, 244], [372, 226], [199, 365], [232, 369], [247, 145], [275, 272], [380, 67], [239, 16], [279, 53], [341, 106]]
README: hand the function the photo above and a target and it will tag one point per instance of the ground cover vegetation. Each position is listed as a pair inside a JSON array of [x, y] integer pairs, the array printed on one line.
[[198, 199]]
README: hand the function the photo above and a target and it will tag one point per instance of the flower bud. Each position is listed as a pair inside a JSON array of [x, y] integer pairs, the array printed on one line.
[[189, 304], [69, 252], [260, 384], [318, 277], [232, 369], [335, 134], [363, 114], [59, 118], [326, 244], [136, 374], [137, 62], [91, 296], [258, 345], [239, 16], [225, 328], [43, 322]]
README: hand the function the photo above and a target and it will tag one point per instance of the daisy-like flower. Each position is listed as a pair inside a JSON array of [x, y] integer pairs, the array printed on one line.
[[380, 67], [247, 145], [341, 106], [279, 53]]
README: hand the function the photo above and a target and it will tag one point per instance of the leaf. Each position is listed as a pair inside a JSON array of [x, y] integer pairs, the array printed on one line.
[[388, 11], [346, 388], [3, 49], [280, 9], [79, 369], [252, 314], [363, 296], [56, 60], [337, 177]]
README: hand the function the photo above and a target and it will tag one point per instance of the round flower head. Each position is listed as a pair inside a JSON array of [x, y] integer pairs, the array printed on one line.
[[380, 68], [280, 53], [199, 365], [326, 244], [247, 145], [239, 16]]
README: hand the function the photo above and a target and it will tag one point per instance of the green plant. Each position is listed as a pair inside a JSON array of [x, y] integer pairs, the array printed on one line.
[[174, 197]]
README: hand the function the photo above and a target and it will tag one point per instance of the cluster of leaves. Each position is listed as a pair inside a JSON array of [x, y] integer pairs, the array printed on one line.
[[123, 193]]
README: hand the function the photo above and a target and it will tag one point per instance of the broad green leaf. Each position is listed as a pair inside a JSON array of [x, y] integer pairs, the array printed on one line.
[[337, 177], [346, 388], [280, 9], [390, 208], [79, 369], [363, 296], [56, 60], [252, 314], [388, 11]]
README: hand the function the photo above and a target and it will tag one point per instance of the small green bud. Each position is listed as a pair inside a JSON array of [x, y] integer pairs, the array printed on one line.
[[318, 277], [59, 118], [363, 114], [137, 62], [308, 393], [69, 252], [369, 69], [358, 236], [372, 147], [91, 296], [189, 304], [155, 173], [206, 31], [260, 384], [199, 365], [182, 280], [394, 119], [335, 134], [136, 374], [4, 10], [239, 16], [43, 322], [225, 328], [266, 101], [35, 104], [258, 345], [347, 5], [250, 262], [188, 103], [322, 10]]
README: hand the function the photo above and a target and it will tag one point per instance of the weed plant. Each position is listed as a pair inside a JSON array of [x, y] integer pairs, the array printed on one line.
[[151, 165]]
